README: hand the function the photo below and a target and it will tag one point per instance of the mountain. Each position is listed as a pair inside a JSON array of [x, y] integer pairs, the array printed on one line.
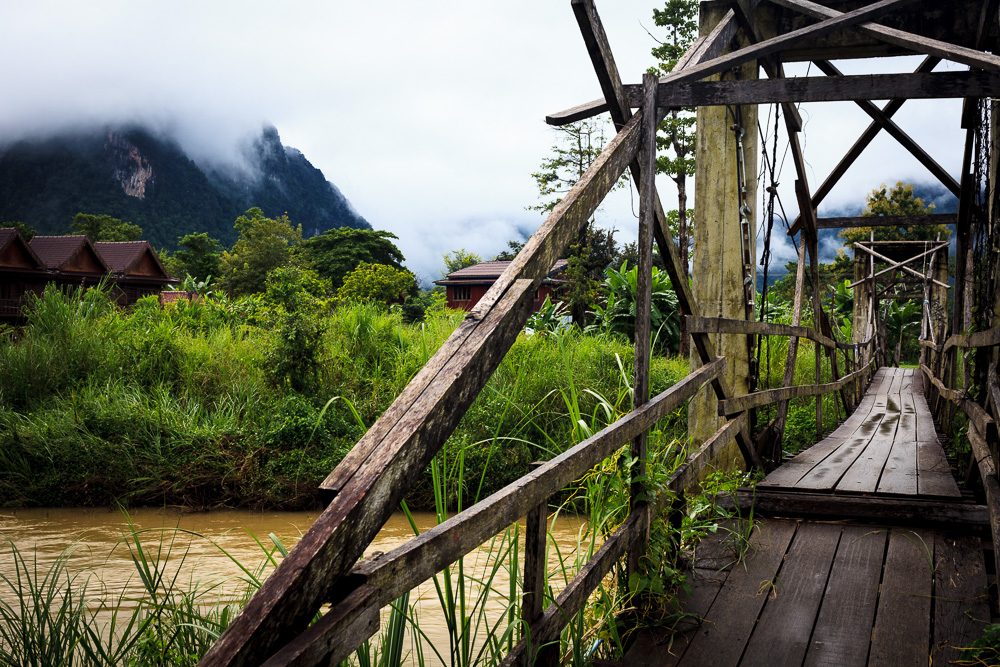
[[136, 175]]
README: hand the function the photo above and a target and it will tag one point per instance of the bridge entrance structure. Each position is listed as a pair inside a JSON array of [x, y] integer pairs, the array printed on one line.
[[720, 75]]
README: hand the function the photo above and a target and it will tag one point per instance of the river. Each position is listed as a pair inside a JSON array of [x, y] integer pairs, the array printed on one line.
[[202, 540]]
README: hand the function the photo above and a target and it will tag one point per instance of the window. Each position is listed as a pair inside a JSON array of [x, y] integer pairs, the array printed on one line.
[[462, 292]]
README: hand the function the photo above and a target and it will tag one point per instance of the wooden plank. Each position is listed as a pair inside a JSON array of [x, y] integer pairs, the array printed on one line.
[[987, 338], [864, 473], [737, 404], [728, 624], [781, 636], [417, 560], [887, 220], [731, 326], [336, 635], [918, 43], [575, 595], [822, 505], [961, 599], [843, 627], [901, 635], [900, 472]]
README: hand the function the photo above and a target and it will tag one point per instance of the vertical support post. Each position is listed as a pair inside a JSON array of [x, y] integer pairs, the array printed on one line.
[[644, 297], [533, 595], [717, 266]]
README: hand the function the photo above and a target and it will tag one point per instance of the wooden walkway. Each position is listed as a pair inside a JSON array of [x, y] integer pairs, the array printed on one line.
[[908, 589]]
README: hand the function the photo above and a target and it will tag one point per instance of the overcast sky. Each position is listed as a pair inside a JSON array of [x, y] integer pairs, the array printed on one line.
[[429, 116]]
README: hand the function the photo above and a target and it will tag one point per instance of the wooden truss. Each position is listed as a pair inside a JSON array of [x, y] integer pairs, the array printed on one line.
[[325, 567]]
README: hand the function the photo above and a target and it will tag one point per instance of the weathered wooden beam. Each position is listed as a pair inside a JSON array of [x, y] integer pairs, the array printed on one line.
[[389, 459], [918, 43], [803, 504], [596, 40], [731, 326], [859, 146], [888, 221], [419, 559], [336, 635], [898, 134], [975, 412], [987, 338], [740, 404], [932, 85], [780, 42], [879, 255], [897, 264], [991, 484]]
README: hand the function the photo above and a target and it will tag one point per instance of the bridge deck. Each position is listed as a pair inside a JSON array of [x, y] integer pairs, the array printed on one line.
[[887, 446], [834, 592]]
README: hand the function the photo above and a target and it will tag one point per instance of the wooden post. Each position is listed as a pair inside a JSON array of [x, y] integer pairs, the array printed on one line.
[[717, 267], [644, 297], [535, 563]]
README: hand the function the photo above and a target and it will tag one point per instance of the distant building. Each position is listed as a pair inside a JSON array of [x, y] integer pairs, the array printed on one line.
[[132, 267], [465, 287]]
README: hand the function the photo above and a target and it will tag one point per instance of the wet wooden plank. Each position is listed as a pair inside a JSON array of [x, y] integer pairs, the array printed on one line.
[[781, 636], [901, 635], [843, 627], [900, 472], [961, 601], [722, 637], [934, 476], [864, 473]]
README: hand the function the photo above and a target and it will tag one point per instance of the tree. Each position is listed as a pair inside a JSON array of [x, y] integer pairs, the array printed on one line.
[[508, 255], [264, 245], [593, 249], [337, 252], [456, 260], [198, 256], [27, 231], [676, 136], [379, 283], [105, 228]]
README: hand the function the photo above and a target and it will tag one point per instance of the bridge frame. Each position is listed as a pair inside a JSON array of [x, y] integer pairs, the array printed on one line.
[[749, 35]]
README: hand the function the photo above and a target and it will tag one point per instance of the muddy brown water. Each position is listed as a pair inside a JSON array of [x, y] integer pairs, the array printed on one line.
[[196, 542]]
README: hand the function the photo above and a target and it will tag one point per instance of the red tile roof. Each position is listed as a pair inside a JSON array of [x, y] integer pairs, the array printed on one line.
[[8, 236], [493, 270], [56, 251], [121, 255]]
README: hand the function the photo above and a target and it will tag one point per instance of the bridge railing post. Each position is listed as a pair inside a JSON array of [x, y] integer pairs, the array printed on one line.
[[533, 594]]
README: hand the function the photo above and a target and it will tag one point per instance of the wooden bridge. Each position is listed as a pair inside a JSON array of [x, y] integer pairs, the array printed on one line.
[[878, 559]]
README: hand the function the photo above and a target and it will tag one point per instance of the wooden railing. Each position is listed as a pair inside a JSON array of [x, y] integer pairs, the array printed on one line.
[[982, 419]]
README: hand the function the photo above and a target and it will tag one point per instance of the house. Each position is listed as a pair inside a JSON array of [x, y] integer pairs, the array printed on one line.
[[22, 272], [467, 286], [26, 267]]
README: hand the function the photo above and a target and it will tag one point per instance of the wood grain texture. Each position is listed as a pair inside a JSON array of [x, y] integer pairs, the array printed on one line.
[[901, 635], [961, 599], [731, 326], [721, 639], [843, 626]]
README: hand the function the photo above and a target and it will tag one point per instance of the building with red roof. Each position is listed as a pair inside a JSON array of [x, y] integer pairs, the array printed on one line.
[[465, 287]]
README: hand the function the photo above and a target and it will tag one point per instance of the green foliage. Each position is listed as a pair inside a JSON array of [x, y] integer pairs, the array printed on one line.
[[295, 358], [264, 245], [897, 200], [456, 260], [617, 316], [548, 319], [105, 228], [985, 650], [508, 255], [378, 283], [337, 252], [197, 256]]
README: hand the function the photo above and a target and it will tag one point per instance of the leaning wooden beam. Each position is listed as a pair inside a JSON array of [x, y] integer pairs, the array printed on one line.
[[407, 566], [986, 338], [879, 255], [898, 134], [918, 43], [887, 221], [933, 85], [730, 326], [738, 404], [368, 485], [897, 264], [664, 241]]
